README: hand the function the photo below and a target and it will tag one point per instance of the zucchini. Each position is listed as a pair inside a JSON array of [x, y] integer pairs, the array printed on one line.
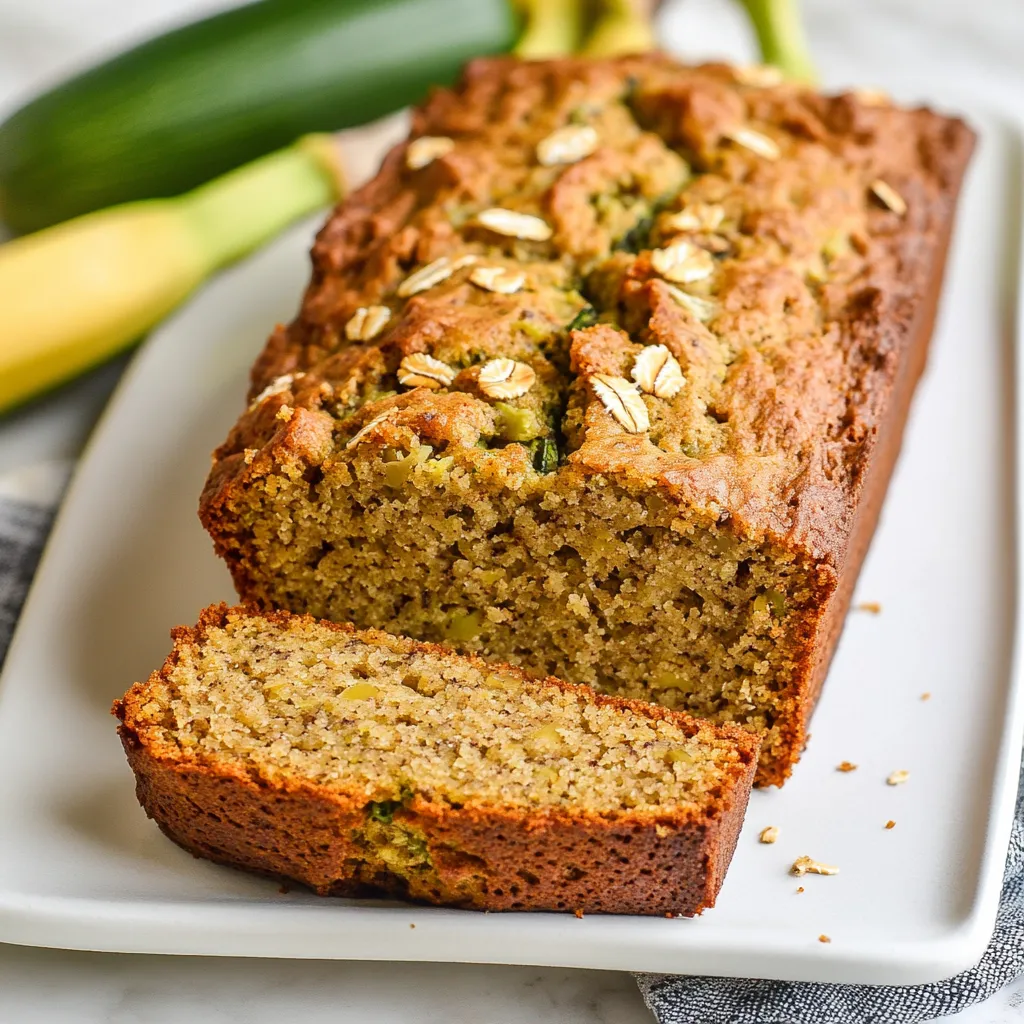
[[190, 105], [781, 37]]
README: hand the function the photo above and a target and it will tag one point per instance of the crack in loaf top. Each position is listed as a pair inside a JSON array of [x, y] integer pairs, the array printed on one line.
[[700, 279]]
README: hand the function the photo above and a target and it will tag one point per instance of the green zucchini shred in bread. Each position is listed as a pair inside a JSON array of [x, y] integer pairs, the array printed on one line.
[[638, 439], [361, 763]]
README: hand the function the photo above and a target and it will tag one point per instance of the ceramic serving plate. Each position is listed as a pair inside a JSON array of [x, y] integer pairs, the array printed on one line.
[[82, 867]]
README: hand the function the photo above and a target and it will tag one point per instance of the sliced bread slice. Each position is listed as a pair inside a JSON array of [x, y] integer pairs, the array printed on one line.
[[360, 763]]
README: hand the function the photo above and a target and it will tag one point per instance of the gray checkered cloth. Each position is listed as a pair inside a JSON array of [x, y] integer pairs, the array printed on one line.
[[23, 529], [24, 525], [696, 1000]]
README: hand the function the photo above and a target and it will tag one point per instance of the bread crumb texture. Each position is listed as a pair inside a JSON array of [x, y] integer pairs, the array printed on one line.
[[358, 762], [386, 719], [636, 329]]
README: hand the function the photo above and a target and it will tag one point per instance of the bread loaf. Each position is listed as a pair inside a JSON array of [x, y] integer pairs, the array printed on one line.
[[604, 375]]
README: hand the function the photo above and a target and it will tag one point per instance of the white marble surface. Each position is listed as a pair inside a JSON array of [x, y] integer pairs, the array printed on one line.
[[947, 52]]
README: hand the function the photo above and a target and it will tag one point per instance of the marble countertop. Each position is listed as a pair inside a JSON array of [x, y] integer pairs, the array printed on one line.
[[949, 53]]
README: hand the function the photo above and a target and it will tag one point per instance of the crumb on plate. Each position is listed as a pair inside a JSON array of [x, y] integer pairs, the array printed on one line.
[[809, 866]]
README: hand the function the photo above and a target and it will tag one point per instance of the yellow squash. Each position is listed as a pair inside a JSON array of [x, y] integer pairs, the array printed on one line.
[[75, 294]]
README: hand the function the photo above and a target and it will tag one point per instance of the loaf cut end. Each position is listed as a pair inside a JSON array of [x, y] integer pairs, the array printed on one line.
[[558, 574]]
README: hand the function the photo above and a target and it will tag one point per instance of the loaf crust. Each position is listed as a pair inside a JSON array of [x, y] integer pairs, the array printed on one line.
[[797, 386], [666, 862]]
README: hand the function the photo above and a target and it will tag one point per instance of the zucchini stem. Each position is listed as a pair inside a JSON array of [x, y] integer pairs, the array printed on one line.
[[780, 35], [239, 211], [622, 26], [553, 28]]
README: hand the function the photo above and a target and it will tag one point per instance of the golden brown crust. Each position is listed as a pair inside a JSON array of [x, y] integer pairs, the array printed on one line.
[[797, 386], [817, 408], [664, 861], [485, 860]]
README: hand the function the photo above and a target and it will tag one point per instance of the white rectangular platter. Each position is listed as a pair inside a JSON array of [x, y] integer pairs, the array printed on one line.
[[82, 867]]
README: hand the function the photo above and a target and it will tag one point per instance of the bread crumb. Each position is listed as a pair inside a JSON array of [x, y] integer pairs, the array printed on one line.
[[846, 766], [806, 865], [411, 925], [579, 913], [285, 413], [874, 607], [890, 823], [897, 778], [824, 938], [799, 889], [926, 695], [769, 834]]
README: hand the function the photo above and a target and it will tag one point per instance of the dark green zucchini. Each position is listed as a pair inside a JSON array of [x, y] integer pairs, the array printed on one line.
[[187, 106]]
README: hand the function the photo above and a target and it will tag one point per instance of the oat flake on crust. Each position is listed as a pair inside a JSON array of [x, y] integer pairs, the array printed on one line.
[[367, 322], [501, 280], [505, 378], [425, 150], [657, 372], [888, 197], [361, 435], [276, 387], [695, 217], [621, 398], [432, 274], [419, 370], [567, 145], [702, 309], [757, 142], [683, 263], [514, 224], [758, 76], [872, 97]]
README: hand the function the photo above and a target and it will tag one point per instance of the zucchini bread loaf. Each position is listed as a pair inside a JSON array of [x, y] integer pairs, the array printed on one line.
[[360, 764], [604, 375]]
